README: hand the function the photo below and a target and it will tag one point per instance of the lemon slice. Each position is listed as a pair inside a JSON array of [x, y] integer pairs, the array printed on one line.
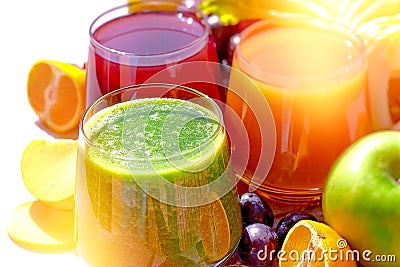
[[48, 169], [40, 228]]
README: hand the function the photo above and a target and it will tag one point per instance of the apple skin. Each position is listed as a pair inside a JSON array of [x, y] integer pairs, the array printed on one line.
[[361, 198]]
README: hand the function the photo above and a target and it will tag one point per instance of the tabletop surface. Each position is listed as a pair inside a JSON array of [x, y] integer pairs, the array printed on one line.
[[30, 31]]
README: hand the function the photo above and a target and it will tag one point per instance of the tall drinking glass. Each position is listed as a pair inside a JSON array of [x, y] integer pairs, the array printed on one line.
[[155, 186], [132, 42], [313, 74]]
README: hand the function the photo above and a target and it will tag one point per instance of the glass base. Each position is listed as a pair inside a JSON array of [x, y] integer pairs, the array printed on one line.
[[227, 259], [283, 202]]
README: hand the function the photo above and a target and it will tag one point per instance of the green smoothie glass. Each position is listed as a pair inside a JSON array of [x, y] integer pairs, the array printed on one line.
[[155, 186]]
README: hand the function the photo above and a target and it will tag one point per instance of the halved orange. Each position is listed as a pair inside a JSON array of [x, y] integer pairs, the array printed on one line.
[[310, 243], [56, 93], [214, 227]]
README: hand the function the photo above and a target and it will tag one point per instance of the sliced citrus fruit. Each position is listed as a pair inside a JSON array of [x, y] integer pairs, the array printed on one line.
[[56, 93], [310, 243], [214, 228], [48, 169], [40, 228], [396, 127], [382, 36], [394, 96]]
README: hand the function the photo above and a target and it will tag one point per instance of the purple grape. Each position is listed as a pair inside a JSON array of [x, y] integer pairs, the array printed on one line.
[[255, 210], [258, 245], [288, 221]]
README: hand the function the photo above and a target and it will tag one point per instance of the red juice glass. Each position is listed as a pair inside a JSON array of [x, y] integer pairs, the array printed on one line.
[[130, 44]]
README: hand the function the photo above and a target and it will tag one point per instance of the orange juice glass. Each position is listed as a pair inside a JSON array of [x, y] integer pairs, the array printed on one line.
[[313, 74]]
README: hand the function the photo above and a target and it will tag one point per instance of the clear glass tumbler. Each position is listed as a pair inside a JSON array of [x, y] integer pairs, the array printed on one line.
[[131, 43], [313, 74], [155, 186]]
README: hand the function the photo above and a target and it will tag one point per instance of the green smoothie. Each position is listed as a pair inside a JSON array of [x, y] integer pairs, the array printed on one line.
[[148, 163]]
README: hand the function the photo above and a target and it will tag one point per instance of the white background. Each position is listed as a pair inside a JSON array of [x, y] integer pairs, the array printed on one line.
[[31, 30]]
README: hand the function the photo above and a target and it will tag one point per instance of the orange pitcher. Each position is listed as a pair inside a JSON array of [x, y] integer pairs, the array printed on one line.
[[313, 74], [366, 102]]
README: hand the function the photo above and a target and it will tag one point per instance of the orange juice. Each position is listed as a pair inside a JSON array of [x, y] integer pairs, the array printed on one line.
[[313, 76]]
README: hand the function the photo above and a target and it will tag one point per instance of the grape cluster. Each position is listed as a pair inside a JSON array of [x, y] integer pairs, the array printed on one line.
[[260, 240]]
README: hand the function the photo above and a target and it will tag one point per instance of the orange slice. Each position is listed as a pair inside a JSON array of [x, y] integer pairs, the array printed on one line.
[[48, 169], [40, 228], [215, 230], [394, 96], [382, 36], [312, 244], [56, 93]]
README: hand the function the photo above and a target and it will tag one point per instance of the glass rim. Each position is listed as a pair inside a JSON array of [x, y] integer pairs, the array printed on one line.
[[210, 139], [195, 45], [258, 73]]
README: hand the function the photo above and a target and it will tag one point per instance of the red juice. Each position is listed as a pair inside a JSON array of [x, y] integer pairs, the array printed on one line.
[[130, 49]]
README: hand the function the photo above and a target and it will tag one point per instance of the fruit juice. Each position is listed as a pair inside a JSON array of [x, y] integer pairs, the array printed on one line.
[[131, 49], [315, 83], [118, 222]]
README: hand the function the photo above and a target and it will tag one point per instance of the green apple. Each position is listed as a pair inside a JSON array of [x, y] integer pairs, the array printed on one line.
[[361, 199]]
